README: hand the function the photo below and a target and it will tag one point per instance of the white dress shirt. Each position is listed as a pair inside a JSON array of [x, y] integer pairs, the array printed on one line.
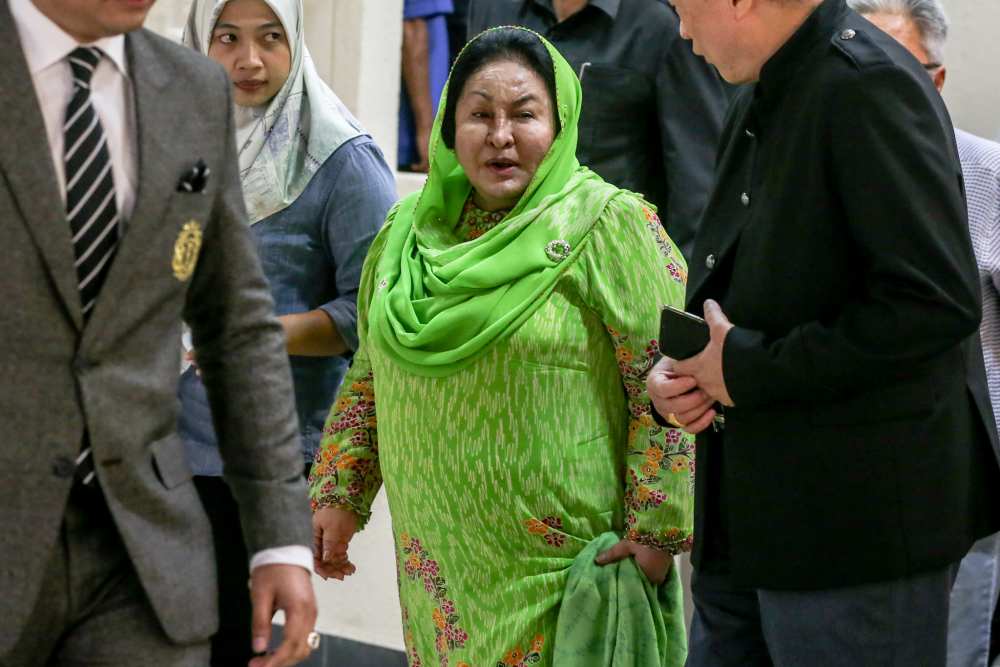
[[46, 49]]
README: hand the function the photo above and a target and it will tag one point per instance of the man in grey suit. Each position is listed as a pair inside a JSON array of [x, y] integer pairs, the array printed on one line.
[[121, 215]]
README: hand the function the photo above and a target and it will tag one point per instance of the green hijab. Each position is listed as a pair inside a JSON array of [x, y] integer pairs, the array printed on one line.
[[440, 302]]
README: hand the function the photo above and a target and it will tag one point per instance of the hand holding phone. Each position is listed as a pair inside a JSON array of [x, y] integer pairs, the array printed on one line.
[[682, 335]]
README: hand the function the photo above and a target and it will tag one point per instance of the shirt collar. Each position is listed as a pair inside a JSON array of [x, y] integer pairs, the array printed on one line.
[[46, 44], [793, 54], [609, 7]]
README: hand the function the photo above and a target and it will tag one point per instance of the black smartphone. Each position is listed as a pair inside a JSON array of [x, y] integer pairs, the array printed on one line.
[[682, 334]]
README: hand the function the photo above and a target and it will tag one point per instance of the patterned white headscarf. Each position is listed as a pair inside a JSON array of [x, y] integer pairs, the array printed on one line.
[[283, 145]]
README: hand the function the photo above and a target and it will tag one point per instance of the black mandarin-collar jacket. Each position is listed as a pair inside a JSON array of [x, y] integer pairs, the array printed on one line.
[[652, 109], [836, 240]]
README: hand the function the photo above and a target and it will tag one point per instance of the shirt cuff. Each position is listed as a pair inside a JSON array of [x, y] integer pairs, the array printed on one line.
[[290, 555]]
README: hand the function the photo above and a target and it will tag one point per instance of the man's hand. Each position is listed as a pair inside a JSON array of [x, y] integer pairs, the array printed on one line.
[[654, 564], [688, 389], [706, 366], [288, 588], [333, 528]]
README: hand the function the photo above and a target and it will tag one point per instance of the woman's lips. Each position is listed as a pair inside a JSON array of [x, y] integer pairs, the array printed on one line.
[[501, 168], [250, 86]]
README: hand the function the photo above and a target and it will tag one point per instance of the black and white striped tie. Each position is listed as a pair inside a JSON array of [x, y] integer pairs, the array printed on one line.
[[90, 199], [90, 186]]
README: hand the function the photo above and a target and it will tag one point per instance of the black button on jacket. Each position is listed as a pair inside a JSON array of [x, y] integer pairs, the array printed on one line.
[[652, 109], [836, 240]]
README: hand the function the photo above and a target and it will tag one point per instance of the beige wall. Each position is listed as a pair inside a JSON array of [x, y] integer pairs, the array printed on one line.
[[972, 89]]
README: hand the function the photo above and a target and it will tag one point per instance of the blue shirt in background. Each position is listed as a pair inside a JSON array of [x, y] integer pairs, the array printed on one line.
[[312, 253], [435, 14]]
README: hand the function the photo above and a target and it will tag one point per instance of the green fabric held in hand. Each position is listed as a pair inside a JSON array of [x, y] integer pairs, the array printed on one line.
[[440, 302], [611, 616]]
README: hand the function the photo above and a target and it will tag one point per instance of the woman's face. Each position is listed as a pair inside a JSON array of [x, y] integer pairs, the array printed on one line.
[[250, 42], [504, 126]]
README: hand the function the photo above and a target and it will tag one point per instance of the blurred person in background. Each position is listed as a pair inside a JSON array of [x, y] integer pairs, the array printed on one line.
[[458, 27], [652, 109], [922, 27], [425, 62], [316, 189]]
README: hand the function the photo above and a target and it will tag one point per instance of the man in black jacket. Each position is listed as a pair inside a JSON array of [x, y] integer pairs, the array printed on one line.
[[652, 109], [852, 467]]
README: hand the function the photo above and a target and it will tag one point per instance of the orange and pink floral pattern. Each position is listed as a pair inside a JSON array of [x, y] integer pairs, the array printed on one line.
[[520, 657], [417, 564]]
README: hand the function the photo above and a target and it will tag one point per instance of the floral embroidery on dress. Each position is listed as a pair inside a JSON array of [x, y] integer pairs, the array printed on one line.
[[345, 478], [674, 268], [412, 657], [653, 450], [634, 366], [474, 222], [420, 567], [550, 528], [672, 540], [519, 657]]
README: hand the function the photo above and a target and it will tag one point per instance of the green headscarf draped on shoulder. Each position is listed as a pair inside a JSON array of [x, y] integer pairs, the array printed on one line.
[[439, 302]]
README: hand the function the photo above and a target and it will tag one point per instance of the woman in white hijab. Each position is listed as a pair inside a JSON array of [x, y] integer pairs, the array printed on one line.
[[316, 189]]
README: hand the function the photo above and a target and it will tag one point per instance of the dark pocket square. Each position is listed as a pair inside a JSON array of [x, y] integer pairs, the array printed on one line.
[[195, 178]]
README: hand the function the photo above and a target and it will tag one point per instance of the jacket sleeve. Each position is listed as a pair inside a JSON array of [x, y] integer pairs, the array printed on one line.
[[691, 103], [346, 470], [658, 461], [244, 365], [894, 164]]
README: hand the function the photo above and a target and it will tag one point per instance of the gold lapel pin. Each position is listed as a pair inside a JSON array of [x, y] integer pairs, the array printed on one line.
[[186, 250]]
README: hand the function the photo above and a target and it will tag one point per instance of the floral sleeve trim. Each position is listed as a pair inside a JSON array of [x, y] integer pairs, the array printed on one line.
[[674, 265], [659, 461], [345, 472], [672, 541]]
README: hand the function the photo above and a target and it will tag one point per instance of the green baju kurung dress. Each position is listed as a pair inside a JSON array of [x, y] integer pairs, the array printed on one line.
[[499, 475], [499, 395]]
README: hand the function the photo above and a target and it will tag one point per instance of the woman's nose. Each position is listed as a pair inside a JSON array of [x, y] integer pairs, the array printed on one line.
[[502, 134], [249, 57]]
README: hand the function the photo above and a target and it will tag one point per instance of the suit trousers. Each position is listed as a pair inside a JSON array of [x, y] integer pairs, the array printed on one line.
[[91, 609], [231, 645], [896, 623]]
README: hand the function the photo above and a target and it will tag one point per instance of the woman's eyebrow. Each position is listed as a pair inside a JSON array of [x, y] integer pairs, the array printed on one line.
[[270, 25]]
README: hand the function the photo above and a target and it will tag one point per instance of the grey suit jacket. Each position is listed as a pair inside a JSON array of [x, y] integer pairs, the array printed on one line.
[[115, 377]]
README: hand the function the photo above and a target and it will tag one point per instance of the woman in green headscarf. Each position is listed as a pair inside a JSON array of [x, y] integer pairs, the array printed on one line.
[[508, 316]]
